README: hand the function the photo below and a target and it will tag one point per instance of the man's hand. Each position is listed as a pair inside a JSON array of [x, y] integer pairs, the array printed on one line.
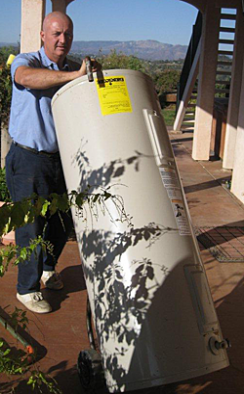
[[95, 67]]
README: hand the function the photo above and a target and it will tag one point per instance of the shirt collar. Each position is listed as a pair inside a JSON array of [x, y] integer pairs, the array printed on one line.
[[49, 63]]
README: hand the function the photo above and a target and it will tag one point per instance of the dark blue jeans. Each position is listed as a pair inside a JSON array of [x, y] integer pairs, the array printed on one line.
[[28, 173]]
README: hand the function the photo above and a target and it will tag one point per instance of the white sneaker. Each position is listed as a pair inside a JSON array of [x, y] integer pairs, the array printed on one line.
[[52, 280], [34, 302]]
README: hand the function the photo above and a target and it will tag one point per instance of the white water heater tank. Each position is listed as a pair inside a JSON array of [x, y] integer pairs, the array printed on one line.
[[150, 299]]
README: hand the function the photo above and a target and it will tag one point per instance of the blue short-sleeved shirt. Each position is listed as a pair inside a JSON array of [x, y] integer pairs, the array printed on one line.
[[31, 120]]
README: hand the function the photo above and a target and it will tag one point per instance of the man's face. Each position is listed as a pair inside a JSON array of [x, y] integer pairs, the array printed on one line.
[[57, 36]]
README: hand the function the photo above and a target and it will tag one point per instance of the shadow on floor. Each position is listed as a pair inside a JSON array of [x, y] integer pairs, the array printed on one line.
[[206, 185], [215, 236], [74, 281]]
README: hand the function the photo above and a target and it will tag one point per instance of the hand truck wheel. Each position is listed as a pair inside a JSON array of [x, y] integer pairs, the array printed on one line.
[[91, 372]]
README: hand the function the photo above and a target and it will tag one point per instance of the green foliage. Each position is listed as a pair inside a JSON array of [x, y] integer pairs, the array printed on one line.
[[14, 362], [18, 318], [5, 52], [5, 94], [5, 84], [169, 115], [9, 363], [17, 255], [38, 379], [223, 87], [4, 193], [18, 364], [167, 81], [17, 214], [121, 61]]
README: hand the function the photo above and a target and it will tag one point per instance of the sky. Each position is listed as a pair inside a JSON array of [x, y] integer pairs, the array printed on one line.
[[167, 21]]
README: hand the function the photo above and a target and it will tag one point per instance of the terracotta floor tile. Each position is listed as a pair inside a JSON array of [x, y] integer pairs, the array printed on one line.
[[59, 336]]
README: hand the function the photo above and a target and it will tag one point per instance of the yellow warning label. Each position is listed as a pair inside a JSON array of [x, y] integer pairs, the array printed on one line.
[[113, 95]]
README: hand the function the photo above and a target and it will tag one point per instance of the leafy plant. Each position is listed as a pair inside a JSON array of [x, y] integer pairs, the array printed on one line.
[[120, 60], [19, 362], [16, 255], [167, 80], [39, 379], [15, 364], [5, 85], [10, 364], [17, 214], [4, 193]]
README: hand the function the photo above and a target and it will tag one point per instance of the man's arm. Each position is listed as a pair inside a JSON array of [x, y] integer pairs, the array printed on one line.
[[39, 78]]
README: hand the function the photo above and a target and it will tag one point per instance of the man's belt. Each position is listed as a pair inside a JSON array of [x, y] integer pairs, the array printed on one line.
[[40, 152]]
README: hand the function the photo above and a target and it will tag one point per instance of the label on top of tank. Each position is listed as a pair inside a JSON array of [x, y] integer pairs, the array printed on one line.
[[113, 95]]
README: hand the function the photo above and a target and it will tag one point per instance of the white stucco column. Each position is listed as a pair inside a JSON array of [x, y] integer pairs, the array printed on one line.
[[237, 185], [5, 144], [235, 91], [32, 14], [206, 83]]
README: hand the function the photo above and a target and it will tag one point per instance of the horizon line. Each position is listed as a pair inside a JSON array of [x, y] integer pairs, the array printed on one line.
[[148, 39]]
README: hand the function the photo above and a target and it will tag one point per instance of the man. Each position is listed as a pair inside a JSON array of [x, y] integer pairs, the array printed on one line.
[[33, 163]]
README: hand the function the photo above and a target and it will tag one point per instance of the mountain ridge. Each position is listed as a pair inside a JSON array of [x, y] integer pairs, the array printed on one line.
[[143, 49]]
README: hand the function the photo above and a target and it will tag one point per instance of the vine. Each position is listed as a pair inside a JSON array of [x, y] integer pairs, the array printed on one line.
[[17, 214]]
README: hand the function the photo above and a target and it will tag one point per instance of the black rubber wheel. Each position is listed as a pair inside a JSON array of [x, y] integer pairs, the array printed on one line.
[[91, 372]]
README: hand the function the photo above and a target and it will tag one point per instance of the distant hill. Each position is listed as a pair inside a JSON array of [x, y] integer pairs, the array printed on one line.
[[147, 49], [8, 44]]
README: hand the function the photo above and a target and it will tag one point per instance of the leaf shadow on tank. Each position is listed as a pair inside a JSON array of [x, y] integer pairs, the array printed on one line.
[[121, 304], [159, 342], [117, 301], [162, 350], [108, 172]]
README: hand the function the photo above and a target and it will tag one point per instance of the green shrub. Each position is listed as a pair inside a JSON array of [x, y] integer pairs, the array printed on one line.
[[5, 95], [4, 193]]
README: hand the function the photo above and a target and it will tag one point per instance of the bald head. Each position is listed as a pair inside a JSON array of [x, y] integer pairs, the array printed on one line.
[[56, 15], [57, 36]]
